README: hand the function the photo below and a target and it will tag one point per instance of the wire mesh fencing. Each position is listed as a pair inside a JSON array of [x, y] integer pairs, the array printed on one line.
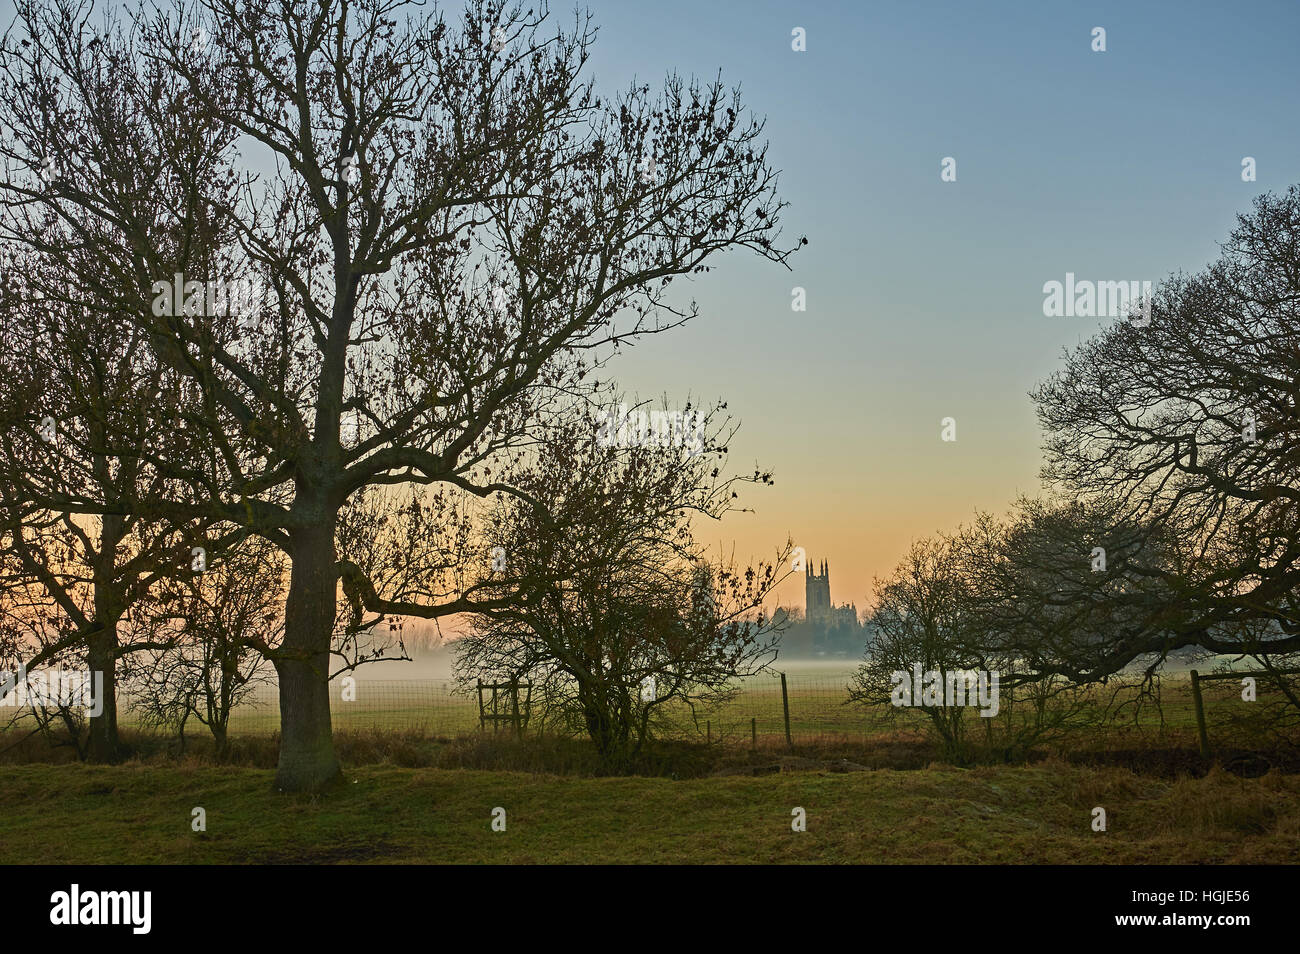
[[796, 708], [809, 708], [773, 707], [1232, 705], [428, 706]]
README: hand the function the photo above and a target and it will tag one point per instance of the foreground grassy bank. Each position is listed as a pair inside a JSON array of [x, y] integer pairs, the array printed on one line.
[[1025, 814]]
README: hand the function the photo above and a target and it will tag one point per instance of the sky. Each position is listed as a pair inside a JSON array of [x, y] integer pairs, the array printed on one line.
[[925, 297]]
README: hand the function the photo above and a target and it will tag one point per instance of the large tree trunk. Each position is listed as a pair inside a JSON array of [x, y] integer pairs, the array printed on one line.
[[101, 646], [307, 760], [606, 731], [220, 738], [101, 657]]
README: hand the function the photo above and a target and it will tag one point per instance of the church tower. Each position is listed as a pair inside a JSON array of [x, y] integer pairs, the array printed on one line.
[[817, 592]]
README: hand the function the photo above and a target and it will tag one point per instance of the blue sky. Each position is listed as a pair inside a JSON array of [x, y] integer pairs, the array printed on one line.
[[925, 297]]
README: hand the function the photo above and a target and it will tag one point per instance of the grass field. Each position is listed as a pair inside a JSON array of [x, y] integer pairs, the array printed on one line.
[[1024, 814], [818, 711], [819, 717]]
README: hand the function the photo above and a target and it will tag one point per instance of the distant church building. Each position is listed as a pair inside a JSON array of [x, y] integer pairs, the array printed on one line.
[[817, 593], [823, 629], [817, 604]]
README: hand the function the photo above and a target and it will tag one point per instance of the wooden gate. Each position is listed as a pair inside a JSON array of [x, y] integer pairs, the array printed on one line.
[[504, 705]]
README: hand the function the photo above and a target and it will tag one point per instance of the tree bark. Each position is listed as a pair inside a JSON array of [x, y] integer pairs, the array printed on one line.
[[101, 657], [307, 760], [101, 647], [220, 738]]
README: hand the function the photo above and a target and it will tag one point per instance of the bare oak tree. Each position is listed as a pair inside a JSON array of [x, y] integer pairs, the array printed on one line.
[[83, 411], [448, 228], [1189, 426]]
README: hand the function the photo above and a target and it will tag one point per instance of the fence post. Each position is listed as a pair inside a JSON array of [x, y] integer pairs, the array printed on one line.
[[514, 703], [753, 733], [785, 704], [1200, 714], [708, 733], [480, 705]]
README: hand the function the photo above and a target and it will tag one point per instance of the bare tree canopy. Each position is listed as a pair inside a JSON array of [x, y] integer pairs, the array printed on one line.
[[376, 247], [1187, 429], [620, 613]]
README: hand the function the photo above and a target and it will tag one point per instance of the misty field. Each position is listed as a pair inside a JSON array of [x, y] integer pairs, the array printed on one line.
[[422, 782], [819, 710], [387, 814], [425, 715]]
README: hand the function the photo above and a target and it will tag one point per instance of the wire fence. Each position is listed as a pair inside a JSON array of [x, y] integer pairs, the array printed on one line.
[[1253, 704], [429, 706], [774, 708], [807, 708], [440, 708]]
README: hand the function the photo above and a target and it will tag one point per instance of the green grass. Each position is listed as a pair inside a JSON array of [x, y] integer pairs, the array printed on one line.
[[817, 712], [142, 814], [819, 718]]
